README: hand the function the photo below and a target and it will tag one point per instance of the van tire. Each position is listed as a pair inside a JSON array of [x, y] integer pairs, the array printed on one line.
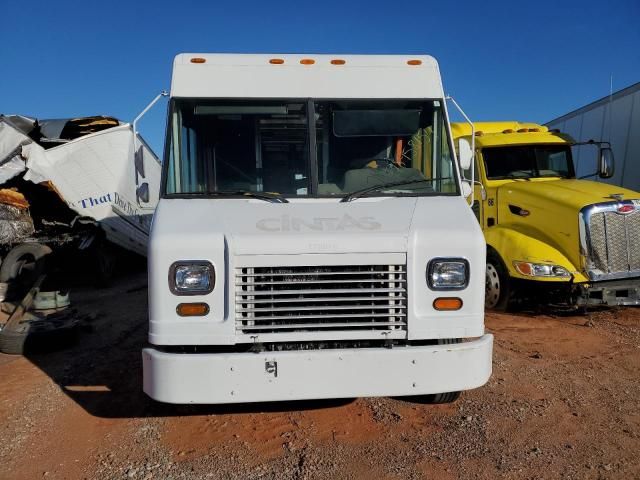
[[445, 397], [497, 284], [436, 398]]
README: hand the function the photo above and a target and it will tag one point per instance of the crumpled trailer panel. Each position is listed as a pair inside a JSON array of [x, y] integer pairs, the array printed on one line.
[[109, 175]]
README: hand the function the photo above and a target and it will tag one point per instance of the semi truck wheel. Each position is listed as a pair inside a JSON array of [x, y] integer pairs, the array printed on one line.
[[497, 284]]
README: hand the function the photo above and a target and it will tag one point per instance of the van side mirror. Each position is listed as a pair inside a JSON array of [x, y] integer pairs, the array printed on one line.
[[467, 189], [465, 155], [606, 164]]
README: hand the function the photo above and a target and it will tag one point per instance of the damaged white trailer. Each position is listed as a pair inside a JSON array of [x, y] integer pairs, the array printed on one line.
[[75, 182]]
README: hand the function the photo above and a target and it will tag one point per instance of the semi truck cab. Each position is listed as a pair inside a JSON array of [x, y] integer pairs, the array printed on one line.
[[550, 235], [312, 240]]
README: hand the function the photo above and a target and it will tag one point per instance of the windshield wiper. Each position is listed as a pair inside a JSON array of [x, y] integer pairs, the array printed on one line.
[[266, 196], [512, 176], [358, 193]]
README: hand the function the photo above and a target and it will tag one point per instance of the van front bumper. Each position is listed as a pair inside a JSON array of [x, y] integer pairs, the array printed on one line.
[[316, 374]]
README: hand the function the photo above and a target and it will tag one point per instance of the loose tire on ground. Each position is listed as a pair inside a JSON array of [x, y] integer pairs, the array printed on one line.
[[12, 343], [22, 266], [41, 335]]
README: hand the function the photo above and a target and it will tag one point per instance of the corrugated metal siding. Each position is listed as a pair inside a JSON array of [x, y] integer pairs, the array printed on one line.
[[617, 121]]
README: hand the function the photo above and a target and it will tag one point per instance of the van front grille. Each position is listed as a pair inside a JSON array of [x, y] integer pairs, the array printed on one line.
[[321, 298]]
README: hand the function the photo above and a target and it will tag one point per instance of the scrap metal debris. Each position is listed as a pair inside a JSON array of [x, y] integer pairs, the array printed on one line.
[[67, 186], [72, 173]]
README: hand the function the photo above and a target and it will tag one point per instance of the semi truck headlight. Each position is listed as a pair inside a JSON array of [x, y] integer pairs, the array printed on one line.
[[540, 270], [191, 277], [448, 274]]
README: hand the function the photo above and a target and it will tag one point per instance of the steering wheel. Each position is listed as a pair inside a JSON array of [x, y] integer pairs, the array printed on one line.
[[386, 162]]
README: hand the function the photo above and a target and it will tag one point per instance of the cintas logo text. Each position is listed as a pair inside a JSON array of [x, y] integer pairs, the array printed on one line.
[[287, 223]]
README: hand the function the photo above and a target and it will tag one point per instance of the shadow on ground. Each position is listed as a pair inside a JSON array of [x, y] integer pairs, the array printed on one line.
[[102, 370]]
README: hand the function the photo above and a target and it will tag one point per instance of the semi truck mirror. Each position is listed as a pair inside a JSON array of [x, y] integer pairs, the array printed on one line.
[[139, 162], [606, 165], [142, 193], [466, 189], [465, 154]]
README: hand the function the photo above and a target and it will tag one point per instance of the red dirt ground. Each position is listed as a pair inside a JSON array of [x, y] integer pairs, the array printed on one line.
[[562, 403]]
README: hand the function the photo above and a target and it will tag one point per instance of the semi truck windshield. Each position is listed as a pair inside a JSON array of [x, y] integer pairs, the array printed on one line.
[[308, 148], [528, 161]]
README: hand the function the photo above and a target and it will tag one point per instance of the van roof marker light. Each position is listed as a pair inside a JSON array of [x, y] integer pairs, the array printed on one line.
[[307, 61], [337, 61], [198, 60], [276, 61], [414, 62]]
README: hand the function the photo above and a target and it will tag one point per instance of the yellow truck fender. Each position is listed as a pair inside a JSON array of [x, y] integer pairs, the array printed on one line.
[[513, 245]]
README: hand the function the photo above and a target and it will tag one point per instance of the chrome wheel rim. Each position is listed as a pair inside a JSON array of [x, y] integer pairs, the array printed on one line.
[[492, 287]]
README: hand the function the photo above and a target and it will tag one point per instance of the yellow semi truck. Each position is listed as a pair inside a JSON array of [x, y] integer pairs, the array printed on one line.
[[549, 234]]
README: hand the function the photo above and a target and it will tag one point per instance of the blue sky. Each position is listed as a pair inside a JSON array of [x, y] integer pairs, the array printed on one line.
[[524, 61]]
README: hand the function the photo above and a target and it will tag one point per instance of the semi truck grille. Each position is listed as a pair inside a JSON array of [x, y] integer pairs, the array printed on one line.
[[321, 298], [614, 241]]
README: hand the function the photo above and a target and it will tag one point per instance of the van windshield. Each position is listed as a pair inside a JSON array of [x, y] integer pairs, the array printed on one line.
[[528, 161], [302, 148]]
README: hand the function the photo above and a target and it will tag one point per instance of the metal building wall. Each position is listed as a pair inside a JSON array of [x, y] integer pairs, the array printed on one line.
[[615, 119]]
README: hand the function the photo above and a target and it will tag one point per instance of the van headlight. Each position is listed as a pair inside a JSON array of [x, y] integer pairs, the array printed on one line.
[[191, 277], [540, 269], [448, 274]]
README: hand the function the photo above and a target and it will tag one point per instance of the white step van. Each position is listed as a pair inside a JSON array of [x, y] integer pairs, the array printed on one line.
[[312, 239]]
